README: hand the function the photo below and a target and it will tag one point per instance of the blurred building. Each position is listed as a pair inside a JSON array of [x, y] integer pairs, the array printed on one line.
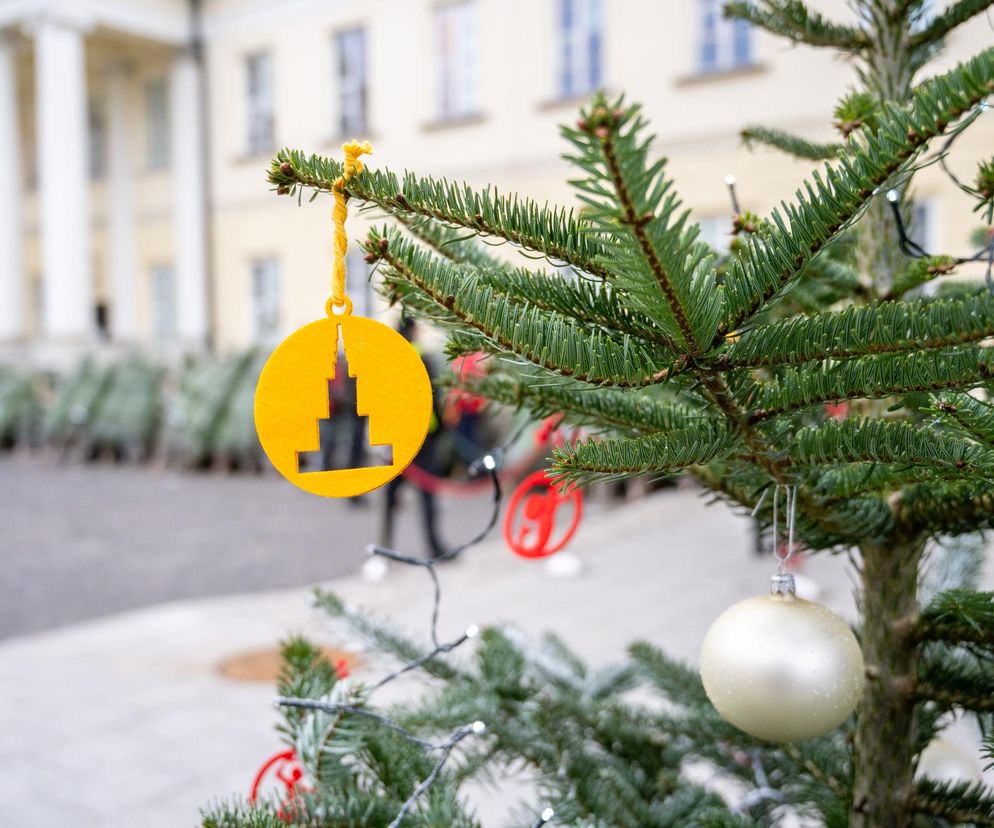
[[137, 134]]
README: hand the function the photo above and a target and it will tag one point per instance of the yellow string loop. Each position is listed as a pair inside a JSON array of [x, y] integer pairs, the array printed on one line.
[[352, 150]]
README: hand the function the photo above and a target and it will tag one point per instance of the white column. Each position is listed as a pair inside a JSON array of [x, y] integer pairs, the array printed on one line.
[[11, 262], [60, 84], [188, 204], [122, 257]]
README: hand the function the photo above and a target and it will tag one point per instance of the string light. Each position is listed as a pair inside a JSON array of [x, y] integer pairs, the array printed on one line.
[[730, 183], [912, 248], [490, 464], [446, 750]]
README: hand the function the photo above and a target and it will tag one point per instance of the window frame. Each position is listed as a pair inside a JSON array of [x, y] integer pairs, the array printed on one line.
[[581, 48], [260, 109], [265, 322], [722, 45], [97, 140], [351, 73], [457, 87], [166, 334], [158, 137]]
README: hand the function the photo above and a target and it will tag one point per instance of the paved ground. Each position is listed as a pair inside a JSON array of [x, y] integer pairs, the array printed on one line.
[[79, 542], [126, 721]]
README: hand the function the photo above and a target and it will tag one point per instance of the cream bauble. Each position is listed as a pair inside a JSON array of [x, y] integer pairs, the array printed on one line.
[[782, 668]]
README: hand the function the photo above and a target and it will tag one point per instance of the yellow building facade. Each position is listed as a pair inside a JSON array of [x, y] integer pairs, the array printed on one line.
[[143, 129]]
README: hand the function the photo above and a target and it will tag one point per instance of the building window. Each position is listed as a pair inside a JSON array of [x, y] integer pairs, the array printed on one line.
[[580, 53], [157, 144], [259, 77], [455, 38], [350, 63], [265, 276], [97, 140], [37, 295], [922, 231], [361, 292], [163, 304], [724, 44]]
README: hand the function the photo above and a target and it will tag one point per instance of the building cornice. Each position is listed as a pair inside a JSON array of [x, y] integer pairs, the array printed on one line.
[[131, 17]]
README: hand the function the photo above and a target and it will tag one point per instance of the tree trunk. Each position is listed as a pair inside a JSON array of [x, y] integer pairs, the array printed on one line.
[[885, 731], [884, 750]]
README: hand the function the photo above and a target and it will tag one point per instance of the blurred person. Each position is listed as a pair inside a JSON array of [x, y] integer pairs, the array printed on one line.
[[427, 460], [344, 431], [463, 409]]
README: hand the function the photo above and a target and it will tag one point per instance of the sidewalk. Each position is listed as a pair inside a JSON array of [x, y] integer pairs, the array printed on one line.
[[126, 721]]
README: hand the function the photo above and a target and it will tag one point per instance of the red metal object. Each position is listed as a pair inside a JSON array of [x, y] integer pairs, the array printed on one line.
[[530, 526], [548, 431], [286, 770], [837, 412]]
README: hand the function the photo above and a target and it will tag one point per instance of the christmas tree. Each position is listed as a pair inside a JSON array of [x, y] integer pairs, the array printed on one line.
[[721, 367]]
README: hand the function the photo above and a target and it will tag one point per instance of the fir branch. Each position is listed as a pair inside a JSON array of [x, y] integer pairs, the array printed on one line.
[[553, 232], [646, 237], [955, 14], [793, 20], [945, 508], [593, 302], [791, 144], [958, 616], [967, 415], [861, 330], [237, 814], [871, 377], [626, 411], [761, 450], [831, 200], [384, 636], [827, 527], [957, 677], [882, 441], [920, 270], [459, 247], [961, 803], [677, 682], [834, 484], [556, 343], [652, 257], [817, 772], [396, 289], [665, 453]]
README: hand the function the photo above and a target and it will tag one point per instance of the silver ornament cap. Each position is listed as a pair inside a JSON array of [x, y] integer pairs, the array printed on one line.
[[782, 668]]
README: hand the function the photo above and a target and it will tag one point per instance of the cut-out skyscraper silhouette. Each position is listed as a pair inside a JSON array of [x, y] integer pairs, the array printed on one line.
[[341, 425]]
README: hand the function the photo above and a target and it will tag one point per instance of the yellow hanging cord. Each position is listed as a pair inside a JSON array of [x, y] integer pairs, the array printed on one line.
[[352, 150]]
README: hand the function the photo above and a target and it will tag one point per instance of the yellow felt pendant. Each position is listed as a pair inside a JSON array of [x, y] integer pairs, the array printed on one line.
[[392, 388]]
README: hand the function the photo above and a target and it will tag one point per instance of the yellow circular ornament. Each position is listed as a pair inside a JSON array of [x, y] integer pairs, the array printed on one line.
[[293, 398], [392, 390]]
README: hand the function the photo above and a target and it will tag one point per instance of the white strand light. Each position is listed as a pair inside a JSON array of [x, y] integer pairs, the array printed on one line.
[[479, 727], [729, 180], [472, 631], [489, 463], [892, 196], [548, 814]]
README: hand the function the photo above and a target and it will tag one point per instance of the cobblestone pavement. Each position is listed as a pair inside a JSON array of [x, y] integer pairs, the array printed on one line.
[[78, 542]]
